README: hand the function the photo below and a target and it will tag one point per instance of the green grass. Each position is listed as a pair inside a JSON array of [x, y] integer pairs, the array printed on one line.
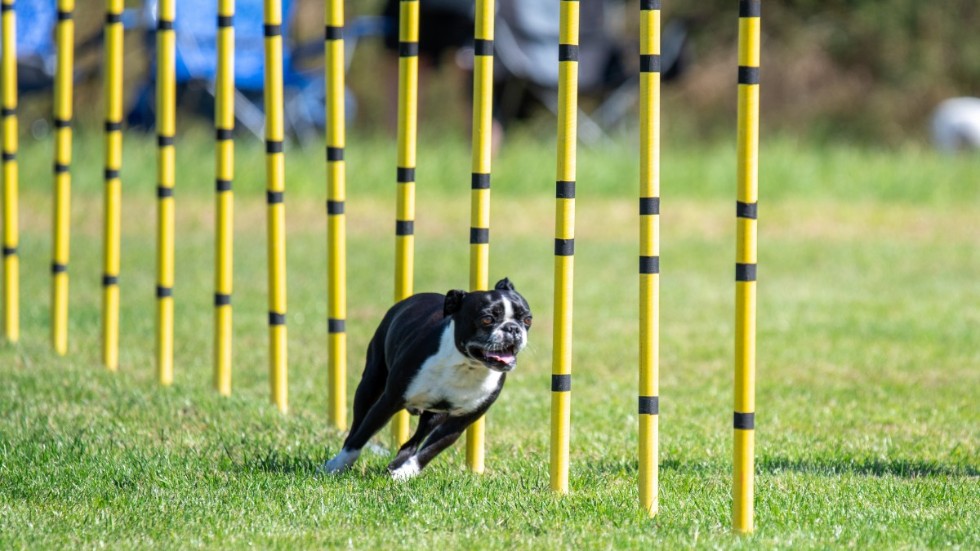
[[868, 374]]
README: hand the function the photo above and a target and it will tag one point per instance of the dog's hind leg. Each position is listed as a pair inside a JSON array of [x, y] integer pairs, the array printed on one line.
[[427, 422], [443, 436], [375, 419], [372, 384]]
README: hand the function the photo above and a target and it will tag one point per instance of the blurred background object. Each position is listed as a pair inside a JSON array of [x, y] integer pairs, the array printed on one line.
[[865, 71], [956, 125]]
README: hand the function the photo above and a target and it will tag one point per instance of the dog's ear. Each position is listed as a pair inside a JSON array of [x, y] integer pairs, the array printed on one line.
[[504, 285], [454, 300]]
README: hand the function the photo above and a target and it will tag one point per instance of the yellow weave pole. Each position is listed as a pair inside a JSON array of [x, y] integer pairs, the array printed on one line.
[[649, 384], [480, 188], [275, 188], [561, 362], [113, 185], [166, 128], [408, 80], [11, 265], [336, 222], [224, 171], [746, 262], [63, 94]]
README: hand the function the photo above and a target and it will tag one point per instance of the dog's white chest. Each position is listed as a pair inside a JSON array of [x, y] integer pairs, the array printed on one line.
[[449, 381]]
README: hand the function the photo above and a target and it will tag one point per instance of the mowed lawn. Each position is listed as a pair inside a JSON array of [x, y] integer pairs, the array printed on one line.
[[868, 415]]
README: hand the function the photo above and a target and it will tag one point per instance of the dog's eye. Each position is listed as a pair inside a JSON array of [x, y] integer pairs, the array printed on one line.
[[527, 321], [487, 321]]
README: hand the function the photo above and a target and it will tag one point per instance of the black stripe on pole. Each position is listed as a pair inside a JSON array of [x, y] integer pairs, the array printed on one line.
[[113, 126], [749, 8], [482, 46], [649, 4], [226, 20], [273, 197], [7, 111], [745, 272], [60, 168], [334, 32], [408, 49], [649, 206], [405, 175], [165, 25], [8, 157], [649, 63], [165, 141], [6, 7], [271, 30], [62, 123], [745, 421], [110, 174], [748, 75], [565, 189], [164, 192], [221, 299], [335, 207], [9, 251], [65, 15], [335, 325], [564, 247], [561, 383], [273, 146], [649, 405], [164, 292], [113, 18], [567, 52], [747, 210], [223, 133], [479, 236], [480, 181], [649, 264], [222, 185], [335, 154], [109, 280], [276, 318], [404, 227], [57, 268]]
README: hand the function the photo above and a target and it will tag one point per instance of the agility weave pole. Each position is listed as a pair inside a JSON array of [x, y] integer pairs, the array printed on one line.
[[480, 189], [336, 220], [746, 258], [276, 212], [112, 210], [561, 362], [166, 97], [224, 206], [11, 265], [61, 213], [408, 83], [649, 380]]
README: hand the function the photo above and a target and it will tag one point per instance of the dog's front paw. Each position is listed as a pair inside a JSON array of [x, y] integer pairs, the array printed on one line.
[[340, 462], [406, 470]]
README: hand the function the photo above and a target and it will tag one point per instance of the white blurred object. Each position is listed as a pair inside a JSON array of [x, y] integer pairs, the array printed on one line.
[[956, 125]]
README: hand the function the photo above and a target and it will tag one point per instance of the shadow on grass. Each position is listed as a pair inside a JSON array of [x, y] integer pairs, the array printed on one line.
[[276, 462], [864, 466], [906, 468]]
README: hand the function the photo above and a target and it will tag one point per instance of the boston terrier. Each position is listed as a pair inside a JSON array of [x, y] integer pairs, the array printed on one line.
[[444, 358]]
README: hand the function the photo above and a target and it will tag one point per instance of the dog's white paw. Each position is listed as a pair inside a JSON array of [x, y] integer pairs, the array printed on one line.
[[340, 462], [408, 469]]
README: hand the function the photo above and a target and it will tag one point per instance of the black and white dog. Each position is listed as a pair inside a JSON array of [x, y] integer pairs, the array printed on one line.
[[444, 358]]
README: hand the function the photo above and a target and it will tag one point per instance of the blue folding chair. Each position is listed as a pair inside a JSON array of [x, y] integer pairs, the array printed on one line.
[[196, 64]]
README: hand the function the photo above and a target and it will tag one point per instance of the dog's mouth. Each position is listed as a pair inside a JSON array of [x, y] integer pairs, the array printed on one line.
[[499, 357]]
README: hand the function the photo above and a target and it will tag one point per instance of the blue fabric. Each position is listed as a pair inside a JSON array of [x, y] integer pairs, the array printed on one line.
[[35, 28], [196, 32]]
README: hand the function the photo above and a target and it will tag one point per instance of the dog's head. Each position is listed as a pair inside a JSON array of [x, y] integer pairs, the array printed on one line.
[[491, 326]]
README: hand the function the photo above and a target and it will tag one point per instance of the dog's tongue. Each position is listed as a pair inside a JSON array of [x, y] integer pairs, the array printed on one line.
[[502, 357]]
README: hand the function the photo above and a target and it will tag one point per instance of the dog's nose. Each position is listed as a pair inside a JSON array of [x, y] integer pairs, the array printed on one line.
[[512, 329]]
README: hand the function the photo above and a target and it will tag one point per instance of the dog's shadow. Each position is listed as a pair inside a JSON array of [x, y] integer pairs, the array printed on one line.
[[307, 462]]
